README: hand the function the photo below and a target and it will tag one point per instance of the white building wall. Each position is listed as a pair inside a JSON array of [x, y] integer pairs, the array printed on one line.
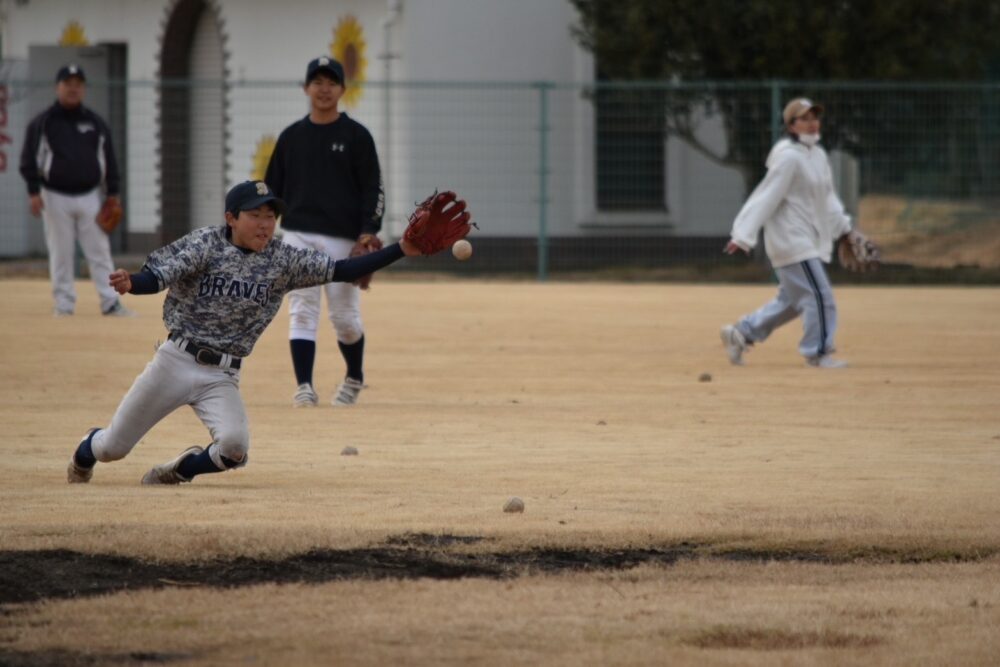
[[207, 180], [509, 41], [438, 139], [16, 226], [137, 24], [704, 196]]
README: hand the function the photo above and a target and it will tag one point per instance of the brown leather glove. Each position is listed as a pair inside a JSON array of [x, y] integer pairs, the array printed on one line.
[[110, 214]]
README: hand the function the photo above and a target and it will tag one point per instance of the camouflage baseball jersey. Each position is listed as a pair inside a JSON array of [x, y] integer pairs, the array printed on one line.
[[222, 297]]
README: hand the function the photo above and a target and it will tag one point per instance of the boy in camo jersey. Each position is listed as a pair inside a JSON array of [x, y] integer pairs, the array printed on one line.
[[225, 285]]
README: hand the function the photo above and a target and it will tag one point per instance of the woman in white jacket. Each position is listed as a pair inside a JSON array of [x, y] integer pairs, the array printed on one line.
[[801, 216]]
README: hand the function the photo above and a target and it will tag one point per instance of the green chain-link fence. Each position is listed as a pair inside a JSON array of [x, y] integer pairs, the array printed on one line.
[[564, 178]]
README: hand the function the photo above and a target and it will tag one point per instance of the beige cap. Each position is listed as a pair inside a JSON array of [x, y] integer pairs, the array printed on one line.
[[799, 107]]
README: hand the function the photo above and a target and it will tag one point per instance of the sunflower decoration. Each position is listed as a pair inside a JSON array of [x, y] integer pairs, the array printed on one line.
[[349, 47], [262, 156], [73, 35]]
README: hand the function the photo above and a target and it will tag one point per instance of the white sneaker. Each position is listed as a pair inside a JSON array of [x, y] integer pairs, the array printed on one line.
[[166, 473], [305, 396], [59, 312], [118, 310], [347, 392], [735, 342], [76, 474], [826, 361]]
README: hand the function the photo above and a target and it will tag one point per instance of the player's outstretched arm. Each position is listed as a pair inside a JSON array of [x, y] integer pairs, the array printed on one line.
[[435, 225], [353, 268], [408, 248]]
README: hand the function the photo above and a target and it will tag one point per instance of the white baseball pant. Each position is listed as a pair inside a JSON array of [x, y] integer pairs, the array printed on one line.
[[173, 379], [68, 219], [342, 299]]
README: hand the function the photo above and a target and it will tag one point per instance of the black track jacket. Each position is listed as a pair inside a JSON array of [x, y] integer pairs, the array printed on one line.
[[69, 151]]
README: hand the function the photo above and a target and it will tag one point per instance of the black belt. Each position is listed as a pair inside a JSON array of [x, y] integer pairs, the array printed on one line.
[[206, 356]]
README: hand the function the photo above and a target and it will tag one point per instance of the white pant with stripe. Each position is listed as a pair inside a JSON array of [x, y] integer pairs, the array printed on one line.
[[805, 290]]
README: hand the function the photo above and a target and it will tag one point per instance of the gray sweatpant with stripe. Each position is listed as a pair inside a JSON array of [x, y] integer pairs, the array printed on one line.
[[804, 289]]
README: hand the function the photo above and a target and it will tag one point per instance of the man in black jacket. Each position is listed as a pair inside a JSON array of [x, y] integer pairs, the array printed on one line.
[[326, 169], [66, 159]]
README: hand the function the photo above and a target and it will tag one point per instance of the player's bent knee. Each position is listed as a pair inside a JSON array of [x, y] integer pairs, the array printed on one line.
[[349, 329], [230, 455], [109, 448]]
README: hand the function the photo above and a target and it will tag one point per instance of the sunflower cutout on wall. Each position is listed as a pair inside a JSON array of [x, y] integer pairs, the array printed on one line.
[[73, 35], [262, 156], [349, 47]]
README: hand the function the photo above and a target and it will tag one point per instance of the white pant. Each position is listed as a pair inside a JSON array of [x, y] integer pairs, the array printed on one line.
[[172, 379], [342, 299], [803, 289], [68, 219]]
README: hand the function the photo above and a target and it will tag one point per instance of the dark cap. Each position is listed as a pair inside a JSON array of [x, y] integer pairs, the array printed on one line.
[[325, 64], [249, 195], [69, 71]]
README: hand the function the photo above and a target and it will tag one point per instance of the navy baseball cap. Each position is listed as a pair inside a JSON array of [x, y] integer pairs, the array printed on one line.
[[249, 195], [69, 71], [325, 64]]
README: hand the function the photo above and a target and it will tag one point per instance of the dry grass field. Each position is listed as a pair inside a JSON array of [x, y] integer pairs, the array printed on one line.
[[775, 515]]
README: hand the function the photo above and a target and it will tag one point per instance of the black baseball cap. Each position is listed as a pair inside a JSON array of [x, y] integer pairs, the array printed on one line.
[[69, 71], [249, 195], [325, 64]]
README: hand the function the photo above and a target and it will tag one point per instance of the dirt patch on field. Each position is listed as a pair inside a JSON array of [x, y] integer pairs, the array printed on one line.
[[770, 639], [69, 659], [30, 576]]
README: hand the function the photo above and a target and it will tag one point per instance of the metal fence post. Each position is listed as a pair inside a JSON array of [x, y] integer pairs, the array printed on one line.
[[543, 178], [776, 123]]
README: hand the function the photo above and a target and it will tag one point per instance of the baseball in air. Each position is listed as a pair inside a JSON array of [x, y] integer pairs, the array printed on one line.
[[462, 249], [513, 505]]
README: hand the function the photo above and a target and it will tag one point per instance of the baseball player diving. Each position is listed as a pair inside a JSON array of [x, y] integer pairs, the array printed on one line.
[[225, 284]]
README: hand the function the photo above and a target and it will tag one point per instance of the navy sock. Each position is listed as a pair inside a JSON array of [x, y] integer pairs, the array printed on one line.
[[303, 356], [84, 456], [197, 464], [354, 355]]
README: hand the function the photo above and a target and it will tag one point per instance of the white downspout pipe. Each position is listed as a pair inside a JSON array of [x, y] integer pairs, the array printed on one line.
[[394, 8]]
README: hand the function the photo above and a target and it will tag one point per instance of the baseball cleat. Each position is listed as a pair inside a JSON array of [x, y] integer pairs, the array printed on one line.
[[735, 342], [826, 361], [78, 474], [305, 396], [347, 392], [166, 473]]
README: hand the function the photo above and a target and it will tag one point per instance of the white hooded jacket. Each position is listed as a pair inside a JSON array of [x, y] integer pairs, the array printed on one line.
[[795, 204]]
